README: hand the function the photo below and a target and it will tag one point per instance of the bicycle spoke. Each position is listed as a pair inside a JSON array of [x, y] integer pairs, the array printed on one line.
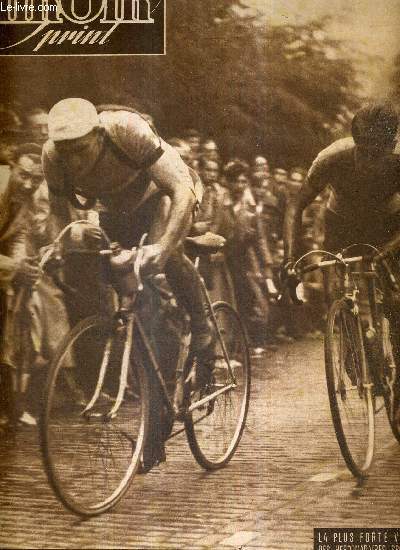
[[91, 457], [349, 393], [213, 436]]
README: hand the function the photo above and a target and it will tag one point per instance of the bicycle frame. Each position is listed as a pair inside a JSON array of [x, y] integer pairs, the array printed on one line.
[[131, 322], [134, 327], [351, 291]]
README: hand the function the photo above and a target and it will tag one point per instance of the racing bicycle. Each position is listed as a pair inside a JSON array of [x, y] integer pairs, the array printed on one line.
[[106, 381], [361, 348]]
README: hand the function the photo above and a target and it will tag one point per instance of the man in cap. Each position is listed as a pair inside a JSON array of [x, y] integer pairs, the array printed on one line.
[[142, 185]]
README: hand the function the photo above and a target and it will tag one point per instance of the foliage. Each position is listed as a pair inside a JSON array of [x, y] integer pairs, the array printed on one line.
[[311, 89], [396, 80], [276, 90]]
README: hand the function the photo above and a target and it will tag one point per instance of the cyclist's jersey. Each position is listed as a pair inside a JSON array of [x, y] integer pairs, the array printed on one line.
[[362, 189], [119, 178]]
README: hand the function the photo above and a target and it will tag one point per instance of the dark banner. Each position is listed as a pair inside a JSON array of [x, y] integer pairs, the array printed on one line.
[[357, 539], [82, 27]]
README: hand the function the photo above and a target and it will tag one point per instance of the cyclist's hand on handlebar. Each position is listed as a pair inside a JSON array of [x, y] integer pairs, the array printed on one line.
[[290, 282], [27, 272], [153, 259], [122, 260]]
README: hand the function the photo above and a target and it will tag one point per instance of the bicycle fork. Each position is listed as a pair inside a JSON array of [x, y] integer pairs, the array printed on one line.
[[123, 378]]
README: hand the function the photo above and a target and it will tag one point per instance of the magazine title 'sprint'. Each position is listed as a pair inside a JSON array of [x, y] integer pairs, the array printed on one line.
[[82, 27]]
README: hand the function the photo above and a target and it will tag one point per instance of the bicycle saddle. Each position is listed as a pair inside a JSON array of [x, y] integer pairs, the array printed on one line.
[[209, 243]]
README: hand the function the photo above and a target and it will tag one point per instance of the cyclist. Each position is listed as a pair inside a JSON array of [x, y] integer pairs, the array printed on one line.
[[363, 176], [142, 186]]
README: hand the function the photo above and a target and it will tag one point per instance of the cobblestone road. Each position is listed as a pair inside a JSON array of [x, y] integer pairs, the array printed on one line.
[[286, 478]]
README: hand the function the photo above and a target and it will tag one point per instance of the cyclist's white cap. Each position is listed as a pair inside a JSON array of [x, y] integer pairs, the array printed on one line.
[[71, 119]]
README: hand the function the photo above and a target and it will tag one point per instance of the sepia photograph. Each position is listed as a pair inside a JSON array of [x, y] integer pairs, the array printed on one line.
[[200, 274]]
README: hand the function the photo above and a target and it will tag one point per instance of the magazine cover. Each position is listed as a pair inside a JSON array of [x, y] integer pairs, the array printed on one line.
[[199, 274]]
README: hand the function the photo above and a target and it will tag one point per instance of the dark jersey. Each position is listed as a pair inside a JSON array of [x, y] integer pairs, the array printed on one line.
[[359, 187]]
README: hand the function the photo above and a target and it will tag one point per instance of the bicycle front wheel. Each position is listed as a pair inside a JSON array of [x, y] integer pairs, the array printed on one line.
[[349, 388], [92, 428], [390, 374], [214, 428]]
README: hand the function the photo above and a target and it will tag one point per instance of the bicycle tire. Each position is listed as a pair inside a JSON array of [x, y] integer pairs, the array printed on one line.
[[348, 385], [391, 375], [91, 459], [205, 428]]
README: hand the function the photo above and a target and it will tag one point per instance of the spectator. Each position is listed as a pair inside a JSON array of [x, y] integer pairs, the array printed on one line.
[[10, 134], [250, 257], [215, 216], [17, 268], [295, 180], [313, 239], [280, 180], [267, 213], [183, 149], [209, 150], [193, 138], [37, 125], [297, 322], [23, 231], [240, 189], [260, 168], [279, 186]]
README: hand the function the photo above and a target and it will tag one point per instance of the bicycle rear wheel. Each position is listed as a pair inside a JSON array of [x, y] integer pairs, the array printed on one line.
[[349, 388], [90, 455], [214, 429]]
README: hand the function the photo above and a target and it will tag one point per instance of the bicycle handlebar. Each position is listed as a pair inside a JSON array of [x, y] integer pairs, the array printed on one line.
[[327, 263], [294, 277], [55, 256]]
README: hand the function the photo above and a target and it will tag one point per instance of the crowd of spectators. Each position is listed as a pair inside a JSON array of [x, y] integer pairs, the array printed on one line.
[[244, 201]]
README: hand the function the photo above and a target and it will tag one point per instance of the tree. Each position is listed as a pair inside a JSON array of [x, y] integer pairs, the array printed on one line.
[[396, 80], [311, 89], [275, 90]]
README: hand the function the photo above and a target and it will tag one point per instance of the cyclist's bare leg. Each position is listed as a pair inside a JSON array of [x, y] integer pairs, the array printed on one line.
[[184, 282]]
